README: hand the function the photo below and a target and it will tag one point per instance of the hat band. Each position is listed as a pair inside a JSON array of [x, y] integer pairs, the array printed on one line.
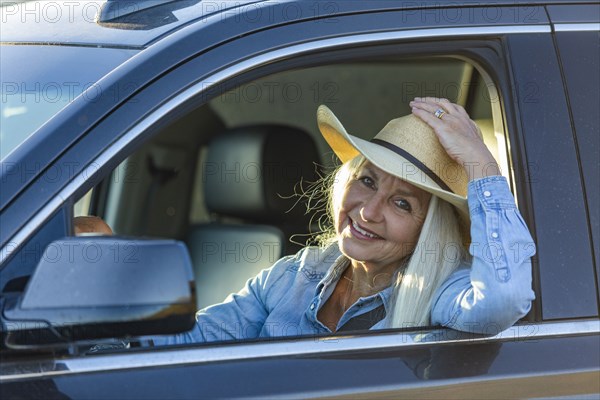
[[415, 161]]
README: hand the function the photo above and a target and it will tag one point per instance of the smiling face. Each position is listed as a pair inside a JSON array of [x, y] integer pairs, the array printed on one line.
[[379, 218]]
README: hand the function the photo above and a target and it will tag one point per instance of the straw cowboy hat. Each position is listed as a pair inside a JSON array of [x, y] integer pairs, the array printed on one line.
[[407, 148]]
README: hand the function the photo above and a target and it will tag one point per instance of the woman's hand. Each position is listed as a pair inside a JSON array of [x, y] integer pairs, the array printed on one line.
[[458, 134]]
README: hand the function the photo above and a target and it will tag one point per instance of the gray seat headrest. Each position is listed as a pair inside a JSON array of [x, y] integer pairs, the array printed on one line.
[[249, 171]]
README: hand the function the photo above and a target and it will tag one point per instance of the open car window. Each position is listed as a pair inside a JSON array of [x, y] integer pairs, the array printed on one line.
[[228, 177]]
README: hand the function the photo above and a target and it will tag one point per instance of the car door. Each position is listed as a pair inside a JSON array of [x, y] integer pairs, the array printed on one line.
[[553, 352]]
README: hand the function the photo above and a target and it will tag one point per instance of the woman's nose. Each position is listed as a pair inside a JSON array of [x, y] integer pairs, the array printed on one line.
[[371, 209]]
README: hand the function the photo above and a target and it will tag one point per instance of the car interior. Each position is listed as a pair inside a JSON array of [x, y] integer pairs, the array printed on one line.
[[229, 179]]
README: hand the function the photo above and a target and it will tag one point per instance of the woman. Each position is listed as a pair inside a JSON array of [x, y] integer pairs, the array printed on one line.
[[398, 257]]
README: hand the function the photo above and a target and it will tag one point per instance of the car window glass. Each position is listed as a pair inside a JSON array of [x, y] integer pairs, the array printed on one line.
[[69, 71]]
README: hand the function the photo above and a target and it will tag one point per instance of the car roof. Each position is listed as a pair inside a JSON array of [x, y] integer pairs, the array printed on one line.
[[104, 23], [138, 23]]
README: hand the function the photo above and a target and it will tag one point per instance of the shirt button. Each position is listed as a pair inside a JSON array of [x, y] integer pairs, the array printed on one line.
[[487, 193], [495, 235], [312, 306]]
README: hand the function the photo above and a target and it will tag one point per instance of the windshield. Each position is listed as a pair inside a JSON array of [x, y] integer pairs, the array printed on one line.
[[38, 81]]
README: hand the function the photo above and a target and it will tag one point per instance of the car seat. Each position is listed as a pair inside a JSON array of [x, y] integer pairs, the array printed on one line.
[[249, 177]]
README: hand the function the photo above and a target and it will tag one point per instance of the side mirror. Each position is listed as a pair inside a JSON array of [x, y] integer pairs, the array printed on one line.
[[103, 287]]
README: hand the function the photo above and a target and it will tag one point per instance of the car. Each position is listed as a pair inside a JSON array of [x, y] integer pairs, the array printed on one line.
[[189, 127]]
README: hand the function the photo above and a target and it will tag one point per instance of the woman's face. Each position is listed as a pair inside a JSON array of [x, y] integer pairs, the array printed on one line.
[[380, 218]]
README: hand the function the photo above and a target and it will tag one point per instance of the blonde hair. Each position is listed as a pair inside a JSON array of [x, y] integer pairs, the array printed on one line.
[[438, 252]]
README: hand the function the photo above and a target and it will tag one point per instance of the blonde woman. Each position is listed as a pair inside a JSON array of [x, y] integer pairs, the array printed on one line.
[[424, 232]]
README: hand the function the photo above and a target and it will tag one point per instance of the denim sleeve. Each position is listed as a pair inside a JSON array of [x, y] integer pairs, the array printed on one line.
[[241, 316], [495, 291]]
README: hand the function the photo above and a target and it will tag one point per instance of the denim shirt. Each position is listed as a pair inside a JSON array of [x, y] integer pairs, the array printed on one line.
[[486, 297]]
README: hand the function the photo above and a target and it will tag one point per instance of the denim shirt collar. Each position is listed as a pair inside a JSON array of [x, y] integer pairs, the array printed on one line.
[[326, 286]]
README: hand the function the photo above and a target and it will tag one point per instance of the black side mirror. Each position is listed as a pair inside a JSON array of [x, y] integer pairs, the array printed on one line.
[[103, 287]]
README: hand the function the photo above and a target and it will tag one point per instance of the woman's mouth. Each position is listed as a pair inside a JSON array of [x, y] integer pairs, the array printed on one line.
[[361, 232]]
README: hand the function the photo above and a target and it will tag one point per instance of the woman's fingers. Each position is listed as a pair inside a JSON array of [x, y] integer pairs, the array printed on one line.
[[439, 116], [428, 116], [428, 104], [457, 133], [455, 117], [442, 103], [431, 104]]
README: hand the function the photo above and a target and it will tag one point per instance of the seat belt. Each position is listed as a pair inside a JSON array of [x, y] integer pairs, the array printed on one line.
[[364, 321]]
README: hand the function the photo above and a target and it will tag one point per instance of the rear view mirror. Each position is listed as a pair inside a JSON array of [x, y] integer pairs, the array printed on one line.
[[103, 287]]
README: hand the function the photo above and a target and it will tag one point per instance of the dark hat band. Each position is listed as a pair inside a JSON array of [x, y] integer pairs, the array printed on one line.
[[403, 153]]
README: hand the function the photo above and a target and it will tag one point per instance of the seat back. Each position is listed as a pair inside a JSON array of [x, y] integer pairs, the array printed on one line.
[[249, 176], [226, 256]]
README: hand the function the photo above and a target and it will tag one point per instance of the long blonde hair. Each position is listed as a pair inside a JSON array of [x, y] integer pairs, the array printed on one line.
[[438, 252]]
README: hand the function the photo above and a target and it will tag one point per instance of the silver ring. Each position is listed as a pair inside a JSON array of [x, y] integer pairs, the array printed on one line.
[[439, 113]]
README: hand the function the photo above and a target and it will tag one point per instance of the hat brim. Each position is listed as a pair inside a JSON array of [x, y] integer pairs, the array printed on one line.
[[346, 147]]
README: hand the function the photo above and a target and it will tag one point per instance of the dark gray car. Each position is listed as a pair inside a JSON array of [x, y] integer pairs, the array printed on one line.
[[187, 125]]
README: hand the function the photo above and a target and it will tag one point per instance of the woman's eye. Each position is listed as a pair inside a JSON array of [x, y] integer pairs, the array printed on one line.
[[367, 181], [403, 204]]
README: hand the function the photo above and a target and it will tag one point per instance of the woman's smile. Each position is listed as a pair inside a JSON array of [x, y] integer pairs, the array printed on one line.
[[362, 233]]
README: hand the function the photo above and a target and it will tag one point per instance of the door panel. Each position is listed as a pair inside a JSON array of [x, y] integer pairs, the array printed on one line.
[[580, 59], [564, 256]]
